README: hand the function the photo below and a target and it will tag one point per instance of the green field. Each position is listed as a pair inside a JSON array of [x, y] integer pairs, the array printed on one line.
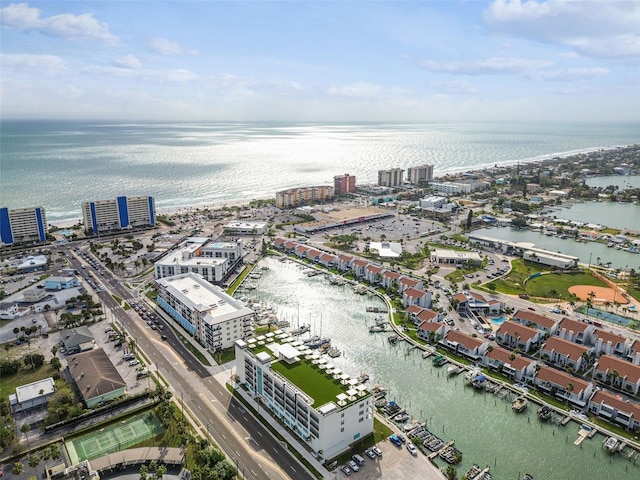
[[23, 377], [556, 285]]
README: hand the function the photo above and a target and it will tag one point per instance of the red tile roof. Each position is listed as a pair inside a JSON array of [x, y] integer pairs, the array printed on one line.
[[609, 337], [414, 293], [373, 268], [463, 339], [430, 326], [360, 263], [504, 355], [532, 317], [563, 347], [573, 325], [391, 275], [460, 297], [410, 282], [551, 375], [345, 258], [625, 369], [414, 309], [515, 329], [427, 315], [609, 399]]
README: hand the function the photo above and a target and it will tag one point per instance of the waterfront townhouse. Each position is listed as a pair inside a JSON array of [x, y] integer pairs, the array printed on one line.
[[300, 251], [215, 319], [510, 364], [515, 335], [121, 213], [532, 319], [465, 345], [633, 353], [373, 274], [323, 408], [358, 267], [313, 255], [418, 315], [279, 242], [390, 279], [22, 225], [574, 331], [416, 296], [609, 343], [563, 386], [564, 354], [405, 283], [290, 246], [328, 260], [345, 262], [618, 373], [432, 331], [615, 410]]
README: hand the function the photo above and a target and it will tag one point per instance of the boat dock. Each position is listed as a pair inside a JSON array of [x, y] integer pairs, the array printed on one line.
[[565, 420], [377, 309], [583, 433], [433, 455]]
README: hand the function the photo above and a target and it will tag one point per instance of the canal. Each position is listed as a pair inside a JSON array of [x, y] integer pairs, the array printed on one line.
[[484, 427]]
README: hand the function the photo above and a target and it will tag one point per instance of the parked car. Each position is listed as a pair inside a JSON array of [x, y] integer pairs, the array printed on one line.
[[377, 451], [346, 470], [413, 450], [353, 466], [359, 459], [370, 453], [395, 440], [133, 363]]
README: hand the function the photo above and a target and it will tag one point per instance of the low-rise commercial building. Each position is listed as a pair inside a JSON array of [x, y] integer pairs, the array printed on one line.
[[60, 283], [326, 409], [215, 319], [32, 395], [96, 377], [78, 339], [245, 228]]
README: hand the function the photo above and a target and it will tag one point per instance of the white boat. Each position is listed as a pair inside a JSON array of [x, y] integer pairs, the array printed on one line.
[[453, 370], [610, 444], [520, 404], [401, 417]]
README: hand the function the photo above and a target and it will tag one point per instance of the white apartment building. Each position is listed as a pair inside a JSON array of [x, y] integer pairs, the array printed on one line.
[[119, 213], [22, 225], [432, 202], [391, 178], [329, 418], [421, 174], [457, 188], [215, 319], [214, 261], [245, 228]]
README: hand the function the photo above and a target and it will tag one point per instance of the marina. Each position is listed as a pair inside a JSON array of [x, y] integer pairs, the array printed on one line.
[[451, 410]]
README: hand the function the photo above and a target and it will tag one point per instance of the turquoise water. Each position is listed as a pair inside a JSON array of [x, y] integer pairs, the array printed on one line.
[[483, 426], [187, 164], [498, 320]]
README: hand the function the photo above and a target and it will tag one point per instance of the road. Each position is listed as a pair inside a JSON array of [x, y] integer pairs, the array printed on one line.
[[245, 441]]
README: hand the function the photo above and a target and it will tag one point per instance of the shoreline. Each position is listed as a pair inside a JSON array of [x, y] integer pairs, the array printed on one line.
[[170, 210]]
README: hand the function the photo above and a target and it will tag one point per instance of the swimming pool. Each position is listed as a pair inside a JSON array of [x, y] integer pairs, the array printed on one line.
[[498, 320]]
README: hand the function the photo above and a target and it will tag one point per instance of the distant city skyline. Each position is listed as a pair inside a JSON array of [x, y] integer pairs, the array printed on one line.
[[422, 61]]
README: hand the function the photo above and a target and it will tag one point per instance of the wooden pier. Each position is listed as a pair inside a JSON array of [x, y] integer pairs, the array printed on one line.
[[433, 455], [565, 420]]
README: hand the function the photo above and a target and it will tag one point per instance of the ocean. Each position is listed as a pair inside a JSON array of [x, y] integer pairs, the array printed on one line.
[[59, 164]]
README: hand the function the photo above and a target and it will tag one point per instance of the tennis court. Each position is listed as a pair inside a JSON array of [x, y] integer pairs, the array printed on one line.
[[113, 438]]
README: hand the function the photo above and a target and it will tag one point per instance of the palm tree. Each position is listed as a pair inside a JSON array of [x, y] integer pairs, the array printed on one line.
[[25, 429]]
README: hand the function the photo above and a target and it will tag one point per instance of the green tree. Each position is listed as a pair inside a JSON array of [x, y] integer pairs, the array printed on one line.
[[25, 429], [17, 468]]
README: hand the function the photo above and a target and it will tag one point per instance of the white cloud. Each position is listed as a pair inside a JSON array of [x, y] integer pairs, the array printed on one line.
[[164, 46], [455, 86], [597, 28], [22, 17], [128, 61], [157, 76], [49, 64], [572, 74], [364, 90], [488, 66]]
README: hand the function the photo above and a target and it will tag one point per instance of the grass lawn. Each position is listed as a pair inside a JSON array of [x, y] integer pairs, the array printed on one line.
[[322, 388], [225, 356], [238, 281], [9, 383], [556, 285]]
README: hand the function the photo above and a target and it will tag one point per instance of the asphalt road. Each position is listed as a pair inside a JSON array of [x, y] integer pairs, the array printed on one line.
[[245, 441]]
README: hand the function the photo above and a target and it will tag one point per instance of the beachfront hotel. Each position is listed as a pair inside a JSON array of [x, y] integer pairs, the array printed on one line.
[[212, 317], [22, 225], [325, 408], [121, 213], [391, 178], [214, 261], [343, 184], [301, 196], [421, 174]]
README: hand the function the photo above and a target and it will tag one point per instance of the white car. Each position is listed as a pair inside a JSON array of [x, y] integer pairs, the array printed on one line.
[[133, 363], [412, 449], [353, 466]]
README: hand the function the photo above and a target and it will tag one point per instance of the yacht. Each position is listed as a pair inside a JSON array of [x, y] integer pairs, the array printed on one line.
[[520, 403], [610, 444]]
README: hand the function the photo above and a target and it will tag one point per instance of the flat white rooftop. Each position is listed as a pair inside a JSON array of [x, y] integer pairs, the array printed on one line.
[[196, 293], [179, 258], [32, 390]]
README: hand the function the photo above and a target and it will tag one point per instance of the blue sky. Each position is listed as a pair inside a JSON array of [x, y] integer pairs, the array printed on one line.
[[433, 61]]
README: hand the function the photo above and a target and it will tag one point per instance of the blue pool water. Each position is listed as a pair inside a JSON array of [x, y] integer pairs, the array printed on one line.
[[498, 321]]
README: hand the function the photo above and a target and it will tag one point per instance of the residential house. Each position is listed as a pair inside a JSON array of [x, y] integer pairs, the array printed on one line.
[[328, 260], [633, 354], [344, 262], [515, 335], [510, 364], [615, 410], [574, 331], [415, 296], [390, 279], [609, 343], [535, 320], [618, 373], [358, 266], [300, 251], [407, 282], [465, 345], [373, 274], [565, 354], [471, 304], [563, 386], [432, 332]]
